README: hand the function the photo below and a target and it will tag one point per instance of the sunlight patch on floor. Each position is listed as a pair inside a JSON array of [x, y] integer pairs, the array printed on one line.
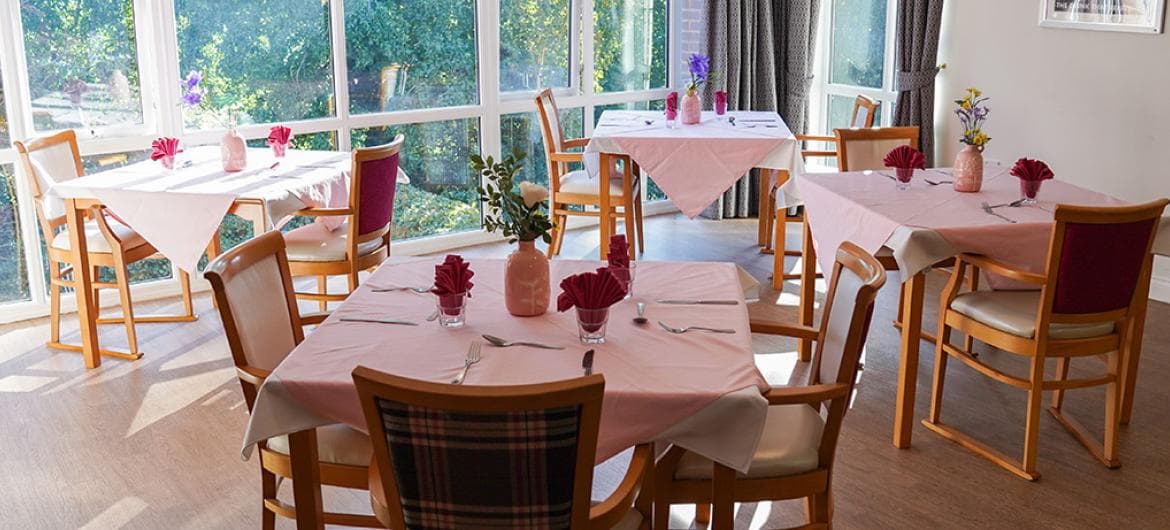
[[118, 514], [760, 517], [214, 349], [166, 398], [23, 383]]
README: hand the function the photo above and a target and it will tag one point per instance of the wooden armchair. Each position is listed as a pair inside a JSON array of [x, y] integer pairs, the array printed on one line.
[[578, 188], [1084, 308], [253, 291], [795, 456], [363, 240], [426, 475], [52, 159]]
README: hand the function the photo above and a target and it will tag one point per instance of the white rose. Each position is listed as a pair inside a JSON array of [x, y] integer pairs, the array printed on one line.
[[532, 193]]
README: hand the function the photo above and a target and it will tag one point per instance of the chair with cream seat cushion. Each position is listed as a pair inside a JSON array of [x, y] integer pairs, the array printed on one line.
[[1085, 307], [362, 242], [577, 188], [795, 455], [53, 159], [253, 290]]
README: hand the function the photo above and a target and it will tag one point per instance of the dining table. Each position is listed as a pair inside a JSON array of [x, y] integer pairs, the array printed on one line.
[[924, 226], [179, 210], [695, 164], [698, 390]]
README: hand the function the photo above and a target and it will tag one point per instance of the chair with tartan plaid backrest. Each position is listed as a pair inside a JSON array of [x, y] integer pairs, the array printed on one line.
[[455, 457]]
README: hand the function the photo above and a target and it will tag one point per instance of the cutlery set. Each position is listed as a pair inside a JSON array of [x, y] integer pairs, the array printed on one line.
[[990, 209]]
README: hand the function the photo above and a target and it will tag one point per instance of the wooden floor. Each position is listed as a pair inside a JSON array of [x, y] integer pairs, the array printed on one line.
[[155, 443]]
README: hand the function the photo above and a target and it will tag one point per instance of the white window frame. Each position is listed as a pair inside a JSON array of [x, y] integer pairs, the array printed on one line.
[[157, 48], [822, 89]]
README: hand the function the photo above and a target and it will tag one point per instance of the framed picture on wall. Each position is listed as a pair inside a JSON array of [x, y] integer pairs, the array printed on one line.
[[1140, 16]]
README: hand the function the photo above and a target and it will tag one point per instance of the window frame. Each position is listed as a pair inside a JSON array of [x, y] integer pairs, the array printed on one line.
[[823, 89]]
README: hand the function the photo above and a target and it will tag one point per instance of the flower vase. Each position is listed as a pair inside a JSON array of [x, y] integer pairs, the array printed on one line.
[[969, 170], [691, 109], [233, 150], [526, 287]]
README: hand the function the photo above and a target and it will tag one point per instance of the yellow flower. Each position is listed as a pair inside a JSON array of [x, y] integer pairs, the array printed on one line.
[[974, 92], [966, 104], [980, 139]]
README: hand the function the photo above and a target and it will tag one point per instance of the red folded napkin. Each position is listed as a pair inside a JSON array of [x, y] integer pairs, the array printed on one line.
[[452, 282], [905, 157], [1031, 170], [164, 147], [590, 290], [671, 105], [720, 101], [619, 252], [279, 135]]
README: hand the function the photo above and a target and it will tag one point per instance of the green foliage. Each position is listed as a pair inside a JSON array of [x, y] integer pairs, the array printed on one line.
[[507, 211]]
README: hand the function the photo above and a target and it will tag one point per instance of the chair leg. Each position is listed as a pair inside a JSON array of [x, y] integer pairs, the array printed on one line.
[[97, 294], [185, 285], [638, 219], [54, 308], [123, 281], [781, 250], [663, 477], [268, 488], [323, 288], [1062, 366], [1112, 413], [628, 212], [554, 248], [703, 513], [969, 341], [817, 508], [723, 498], [352, 280], [940, 370], [1032, 423]]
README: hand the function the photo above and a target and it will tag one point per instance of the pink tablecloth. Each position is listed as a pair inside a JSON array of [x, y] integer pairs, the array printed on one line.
[[178, 211], [655, 381], [926, 223], [695, 164]]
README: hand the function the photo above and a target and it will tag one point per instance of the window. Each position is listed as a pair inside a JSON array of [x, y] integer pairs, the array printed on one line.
[[522, 131], [13, 271], [410, 54], [82, 64], [855, 55], [629, 45], [535, 44], [262, 61], [443, 193]]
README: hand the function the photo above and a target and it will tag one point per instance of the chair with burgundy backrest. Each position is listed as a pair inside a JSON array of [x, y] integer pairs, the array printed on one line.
[[795, 455], [253, 291], [448, 457], [52, 159], [1084, 308], [363, 240]]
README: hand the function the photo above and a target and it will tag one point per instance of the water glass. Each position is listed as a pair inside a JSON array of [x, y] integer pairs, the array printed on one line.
[[591, 325], [452, 310], [903, 176], [1028, 191], [278, 150], [625, 276]]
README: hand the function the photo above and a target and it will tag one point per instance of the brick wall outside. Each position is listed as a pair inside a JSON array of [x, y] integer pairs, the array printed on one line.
[[692, 32]]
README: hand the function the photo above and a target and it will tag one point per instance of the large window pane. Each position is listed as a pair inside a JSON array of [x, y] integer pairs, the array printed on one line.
[[82, 63], [5, 136], [442, 195], [262, 60], [629, 44], [410, 54], [522, 131], [534, 44], [13, 272], [858, 45]]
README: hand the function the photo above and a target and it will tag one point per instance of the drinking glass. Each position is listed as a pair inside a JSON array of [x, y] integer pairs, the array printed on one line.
[[452, 310], [591, 324]]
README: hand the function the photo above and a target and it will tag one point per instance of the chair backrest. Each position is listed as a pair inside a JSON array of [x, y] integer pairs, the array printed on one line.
[[374, 183], [553, 136], [864, 112], [857, 276], [254, 294], [861, 149], [1097, 258], [46, 161], [455, 456]]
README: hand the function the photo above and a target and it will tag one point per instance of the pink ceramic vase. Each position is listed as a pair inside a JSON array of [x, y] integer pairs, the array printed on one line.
[[526, 287], [969, 170], [691, 109], [233, 151]]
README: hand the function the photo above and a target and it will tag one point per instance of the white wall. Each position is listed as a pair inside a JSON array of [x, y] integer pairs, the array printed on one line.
[[1094, 105]]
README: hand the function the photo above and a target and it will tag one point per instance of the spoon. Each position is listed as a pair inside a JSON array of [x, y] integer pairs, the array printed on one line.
[[433, 316], [641, 320], [504, 343]]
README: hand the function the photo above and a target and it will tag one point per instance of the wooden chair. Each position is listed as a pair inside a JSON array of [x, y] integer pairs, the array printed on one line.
[[795, 456], [427, 475], [1085, 306], [254, 293], [577, 188], [864, 113], [363, 241], [55, 158]]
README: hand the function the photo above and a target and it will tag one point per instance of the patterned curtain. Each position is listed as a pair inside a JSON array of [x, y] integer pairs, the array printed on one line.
[[919, 23], [761, 52]]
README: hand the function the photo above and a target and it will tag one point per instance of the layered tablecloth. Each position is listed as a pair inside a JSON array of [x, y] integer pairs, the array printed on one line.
[[928, 223], [698, 390], [695, 164], [179, 210]]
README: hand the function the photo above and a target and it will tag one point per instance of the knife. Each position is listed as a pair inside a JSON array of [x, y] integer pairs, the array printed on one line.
[[379, 321], [699, 302], [587, 362]]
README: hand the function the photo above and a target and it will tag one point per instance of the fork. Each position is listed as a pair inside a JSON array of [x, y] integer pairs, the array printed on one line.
[[696, 328], [989, 210], [937, 182], [472, 358], [419, 290]]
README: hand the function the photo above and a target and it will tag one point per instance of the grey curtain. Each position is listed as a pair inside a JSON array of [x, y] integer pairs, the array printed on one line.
[[761, 52], [919, 24]]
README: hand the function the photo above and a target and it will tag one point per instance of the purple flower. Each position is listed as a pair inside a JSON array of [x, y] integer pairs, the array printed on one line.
[[699, 66], [193, 79], [193, 97]]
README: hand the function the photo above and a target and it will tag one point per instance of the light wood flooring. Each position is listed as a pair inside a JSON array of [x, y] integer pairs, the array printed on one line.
[[156, 443]]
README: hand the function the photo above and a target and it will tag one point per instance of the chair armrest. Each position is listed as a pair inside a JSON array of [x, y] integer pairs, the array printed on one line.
[[565, 157], [787, 330], [1002, 269], [575, 142], [815, 138], [323, 212], [610, 511], [309, 319], [252, 375], [812, 394]]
